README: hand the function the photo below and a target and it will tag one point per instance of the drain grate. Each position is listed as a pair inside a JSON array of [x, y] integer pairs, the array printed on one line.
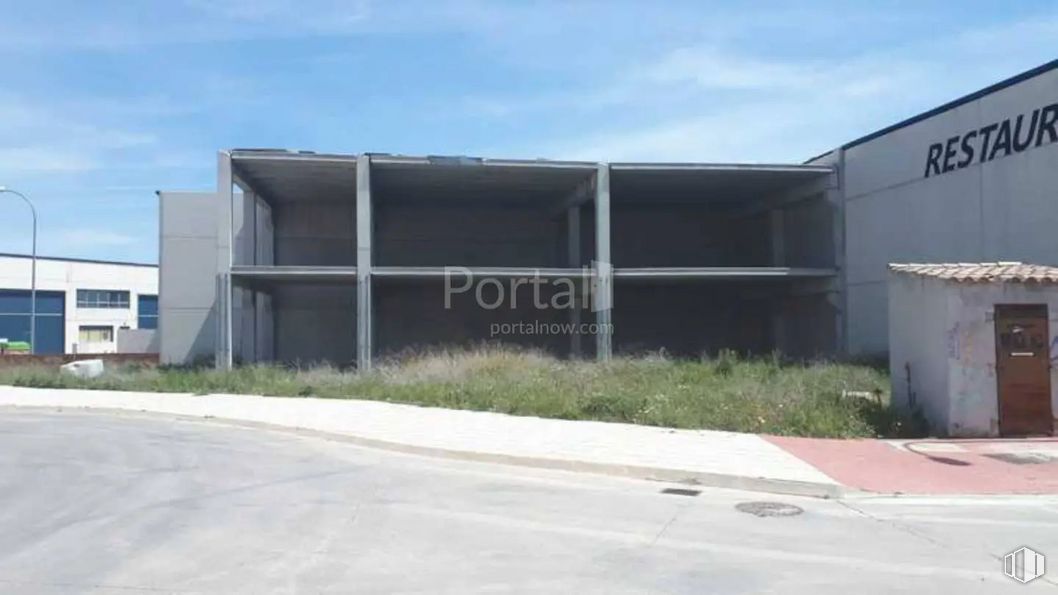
[[680, 492], [763, 509]]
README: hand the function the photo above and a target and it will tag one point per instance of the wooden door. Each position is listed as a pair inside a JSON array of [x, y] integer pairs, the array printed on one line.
[[1023, 369]]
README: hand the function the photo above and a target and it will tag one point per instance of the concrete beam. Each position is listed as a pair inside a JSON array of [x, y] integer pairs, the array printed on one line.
[[722, 273], [240, 181], [247, 186], [282, 155], [602, 296], [364, 227], [467, 161], [293, 273], [720, 167], [815, 189], [582, 194], [461, 272]]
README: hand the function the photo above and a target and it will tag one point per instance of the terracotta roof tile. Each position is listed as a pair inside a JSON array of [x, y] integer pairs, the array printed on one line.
[[982, 272]]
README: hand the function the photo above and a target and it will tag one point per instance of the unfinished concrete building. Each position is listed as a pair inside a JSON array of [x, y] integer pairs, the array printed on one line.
[[304, 258]]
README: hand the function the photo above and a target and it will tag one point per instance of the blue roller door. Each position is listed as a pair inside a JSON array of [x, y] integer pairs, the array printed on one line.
[[148, 312], [15, 316]]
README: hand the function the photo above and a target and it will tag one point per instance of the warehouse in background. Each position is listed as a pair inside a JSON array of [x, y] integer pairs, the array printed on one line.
[[975, 180], [83, 306], [306, 257]]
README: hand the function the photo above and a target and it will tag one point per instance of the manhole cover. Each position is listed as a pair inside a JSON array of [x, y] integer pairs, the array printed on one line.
[[769, 508]]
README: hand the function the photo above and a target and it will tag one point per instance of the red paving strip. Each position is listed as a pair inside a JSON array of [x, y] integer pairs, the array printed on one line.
[[879, 466]]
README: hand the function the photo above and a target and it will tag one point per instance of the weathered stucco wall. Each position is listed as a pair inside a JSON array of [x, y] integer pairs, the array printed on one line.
[[972, 350], [944, 334]]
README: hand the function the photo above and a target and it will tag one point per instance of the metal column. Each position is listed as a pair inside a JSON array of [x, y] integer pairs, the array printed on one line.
[[363, 262], [602, 295]]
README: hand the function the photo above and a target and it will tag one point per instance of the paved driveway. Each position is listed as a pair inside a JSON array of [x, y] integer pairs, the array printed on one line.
[[94, 502]]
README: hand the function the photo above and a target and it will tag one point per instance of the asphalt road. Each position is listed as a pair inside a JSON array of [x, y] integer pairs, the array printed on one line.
[[94, 502]]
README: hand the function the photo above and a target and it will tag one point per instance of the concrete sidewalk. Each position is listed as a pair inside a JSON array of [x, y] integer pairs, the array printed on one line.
[[719, 459]]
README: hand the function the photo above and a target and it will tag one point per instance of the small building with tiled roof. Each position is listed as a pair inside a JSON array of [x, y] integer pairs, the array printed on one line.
[[972, 346], [982, 272]]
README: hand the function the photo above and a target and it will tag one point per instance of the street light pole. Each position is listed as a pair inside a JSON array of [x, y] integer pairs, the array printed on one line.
[[33, 273]]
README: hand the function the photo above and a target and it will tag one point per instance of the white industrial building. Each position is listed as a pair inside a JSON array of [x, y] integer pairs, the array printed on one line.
[[304, 257], [83, 306], [974, 180]]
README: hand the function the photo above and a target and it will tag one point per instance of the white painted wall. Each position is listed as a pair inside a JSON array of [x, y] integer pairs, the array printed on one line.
[[945, 332], [70, 275], [188, 297], [134, 340], [918, 350]]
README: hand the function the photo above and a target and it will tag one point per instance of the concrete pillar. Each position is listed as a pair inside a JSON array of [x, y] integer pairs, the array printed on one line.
[[602, 296], [778, 238], [573, 262], [223, 348], [836, 197], [244, 328], [364, 227], [778, 259]]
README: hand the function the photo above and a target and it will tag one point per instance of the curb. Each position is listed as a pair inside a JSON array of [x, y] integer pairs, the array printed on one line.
[[695, 478]]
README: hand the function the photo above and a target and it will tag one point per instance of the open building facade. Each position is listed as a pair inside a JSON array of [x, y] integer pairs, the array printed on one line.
[[300, 257]]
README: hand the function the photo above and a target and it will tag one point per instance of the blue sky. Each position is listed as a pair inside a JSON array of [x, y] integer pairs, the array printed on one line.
[[104, 102]]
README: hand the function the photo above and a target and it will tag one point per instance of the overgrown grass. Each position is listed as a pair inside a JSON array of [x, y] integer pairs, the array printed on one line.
[[725, 393]]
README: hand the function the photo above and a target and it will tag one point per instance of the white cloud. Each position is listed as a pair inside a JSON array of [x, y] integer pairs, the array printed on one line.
[[44, 159], [126, 26], [736, 106], [87, 238], [35, 137], [709, 68], [753, 133]]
